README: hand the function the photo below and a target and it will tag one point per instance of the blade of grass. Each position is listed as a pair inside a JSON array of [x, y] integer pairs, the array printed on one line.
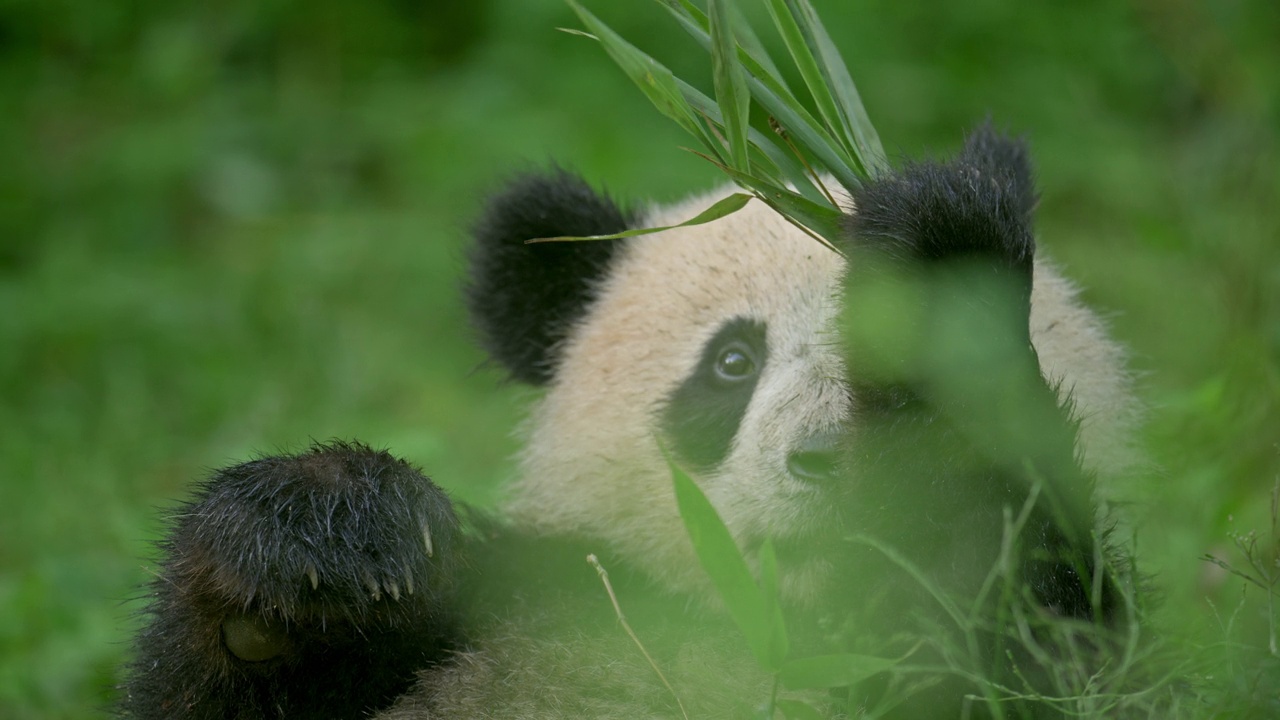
[[921, 577], [730, 84], [721, 208], [626, 626]]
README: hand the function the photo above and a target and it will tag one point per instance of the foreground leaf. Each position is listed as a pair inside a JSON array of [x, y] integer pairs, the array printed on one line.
[[779, 646], [724, 564]]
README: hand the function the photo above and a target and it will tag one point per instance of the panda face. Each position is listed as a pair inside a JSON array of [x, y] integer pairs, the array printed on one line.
[[714, 344]]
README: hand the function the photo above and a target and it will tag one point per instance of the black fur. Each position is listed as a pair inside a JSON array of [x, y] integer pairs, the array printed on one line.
[[525, 298], [929, 464], [702, 416], [979, 203], [316, 564], [976, 208], [955, 424], [967, 392]]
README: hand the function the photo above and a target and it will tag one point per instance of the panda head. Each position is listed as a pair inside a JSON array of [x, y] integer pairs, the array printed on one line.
[[714, 346], [709, 343]]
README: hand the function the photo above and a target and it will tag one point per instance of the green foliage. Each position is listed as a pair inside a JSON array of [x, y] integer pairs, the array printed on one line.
[[756, 608], [731, 84], [754, 612], [829, 83], [231, 227], [846, 146]]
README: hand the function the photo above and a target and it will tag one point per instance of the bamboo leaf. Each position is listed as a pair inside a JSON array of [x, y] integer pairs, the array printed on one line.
[[730, 84], [779, 645], [802, 55], [774, 161], [750, 42], [723, 563], [836, 79], [774, 97], [721, 208], [653, 78], [819, 219], [696, 23], [811, 137]]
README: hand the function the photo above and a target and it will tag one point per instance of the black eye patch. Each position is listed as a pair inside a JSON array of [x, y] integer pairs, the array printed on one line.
[[702, 416]]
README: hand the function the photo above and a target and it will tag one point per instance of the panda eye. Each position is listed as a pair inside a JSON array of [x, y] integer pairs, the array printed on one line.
[[734, 363]]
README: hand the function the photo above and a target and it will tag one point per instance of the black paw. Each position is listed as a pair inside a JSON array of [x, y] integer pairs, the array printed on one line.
[[307, 585]]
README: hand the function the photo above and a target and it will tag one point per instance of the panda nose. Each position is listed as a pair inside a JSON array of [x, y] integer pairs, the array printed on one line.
[[815, 459]]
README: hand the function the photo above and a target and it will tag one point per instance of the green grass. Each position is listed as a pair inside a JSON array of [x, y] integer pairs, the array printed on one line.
[[233, 230]]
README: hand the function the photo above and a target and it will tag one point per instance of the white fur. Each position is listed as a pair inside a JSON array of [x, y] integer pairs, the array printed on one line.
[[593, 464]]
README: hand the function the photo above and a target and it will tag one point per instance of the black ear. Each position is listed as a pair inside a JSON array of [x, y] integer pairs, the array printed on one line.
[[523, 298], [1006, 164], [977, 205]]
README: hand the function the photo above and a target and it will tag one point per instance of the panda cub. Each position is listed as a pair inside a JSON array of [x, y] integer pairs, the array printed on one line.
[[885, 454]]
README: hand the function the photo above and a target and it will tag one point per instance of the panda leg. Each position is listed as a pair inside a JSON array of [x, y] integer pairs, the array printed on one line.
[[309, 585]]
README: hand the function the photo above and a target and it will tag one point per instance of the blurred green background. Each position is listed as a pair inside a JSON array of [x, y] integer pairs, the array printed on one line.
[[231, 227]]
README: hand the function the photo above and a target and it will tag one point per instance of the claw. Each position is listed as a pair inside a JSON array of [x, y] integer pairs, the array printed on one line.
[[394, 589], [426, 540], [408, 581], [372, 584], [314, 577]]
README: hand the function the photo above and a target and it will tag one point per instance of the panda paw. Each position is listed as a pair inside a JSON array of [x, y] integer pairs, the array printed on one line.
[[282, 565], [335, 532]]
